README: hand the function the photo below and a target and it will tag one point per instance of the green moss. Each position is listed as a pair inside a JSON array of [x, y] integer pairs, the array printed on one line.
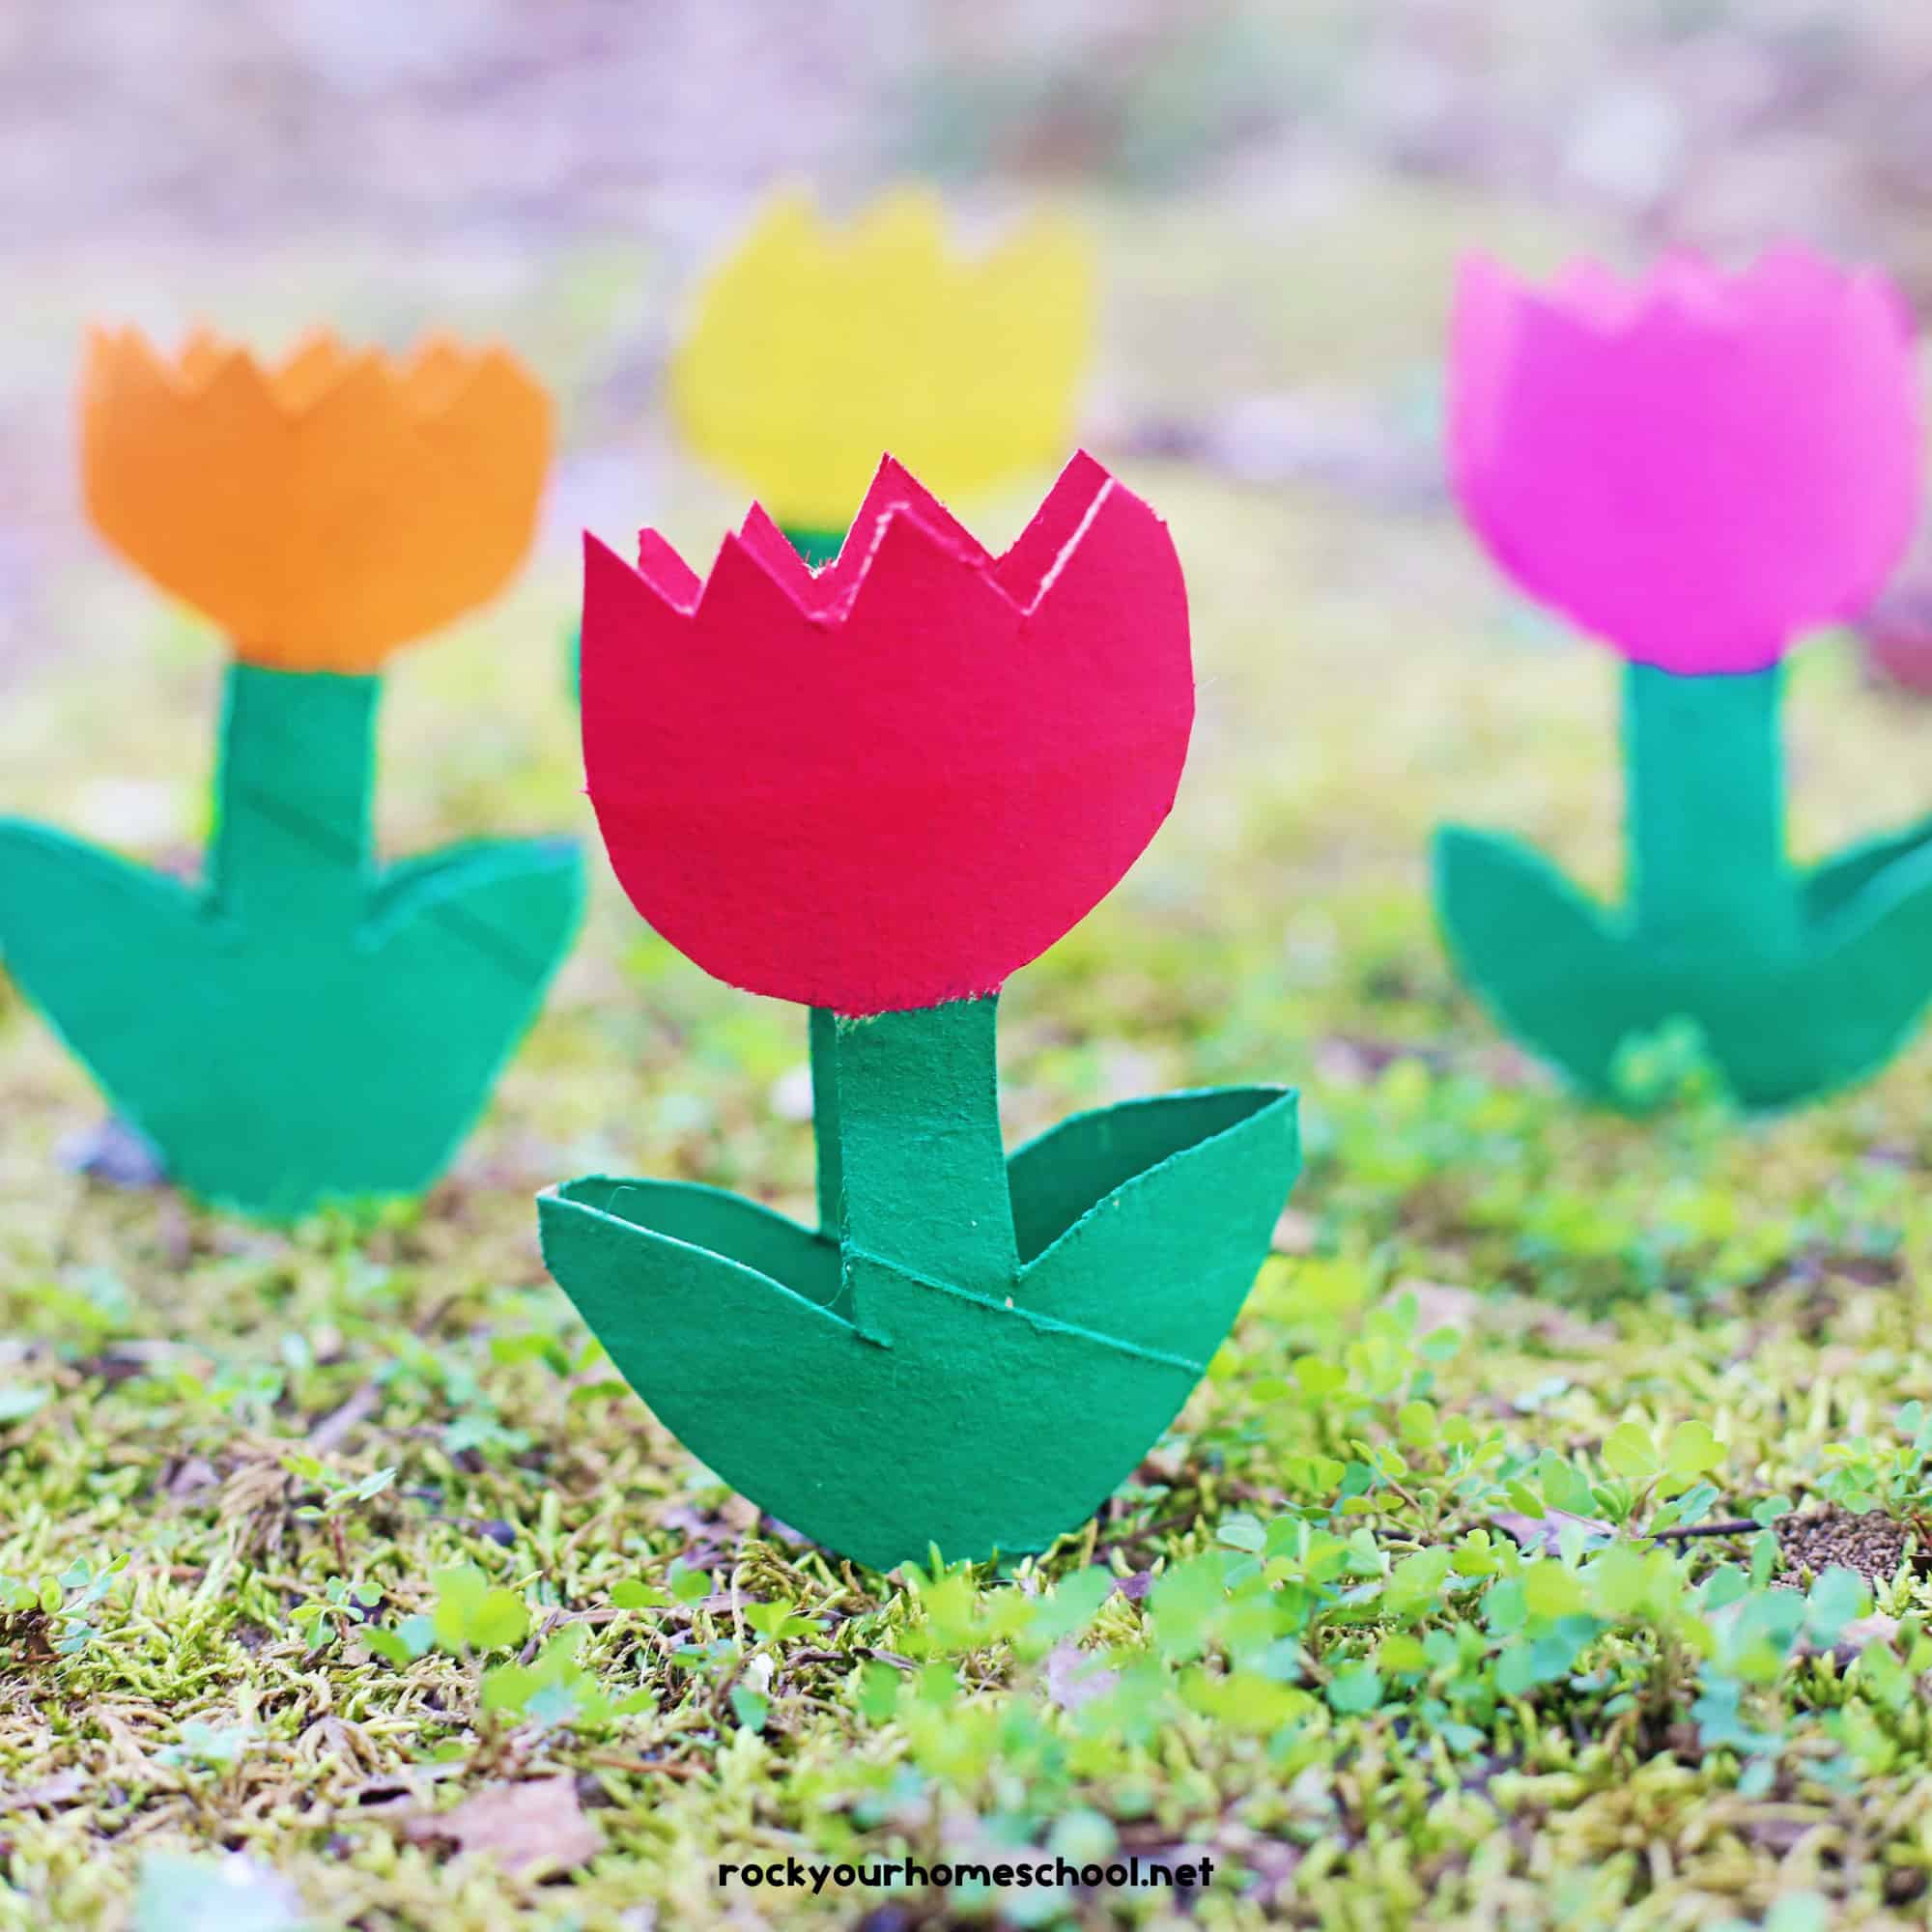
[[1329, 1669]]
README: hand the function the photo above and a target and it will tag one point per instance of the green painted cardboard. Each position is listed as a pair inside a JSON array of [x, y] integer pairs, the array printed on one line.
[[988, 1346], [824, 1038], [818, 547], [305, 1025], [1799, 980]]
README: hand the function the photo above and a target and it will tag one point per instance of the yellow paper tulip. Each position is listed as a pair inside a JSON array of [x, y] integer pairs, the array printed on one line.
[[814, 350]]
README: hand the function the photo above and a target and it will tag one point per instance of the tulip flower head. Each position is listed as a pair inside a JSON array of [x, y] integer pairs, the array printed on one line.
[[1695, 468], [813, 348], [890, 783], [323, 510]]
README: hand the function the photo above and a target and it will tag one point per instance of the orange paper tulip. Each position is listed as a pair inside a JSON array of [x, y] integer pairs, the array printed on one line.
[[322, 511]]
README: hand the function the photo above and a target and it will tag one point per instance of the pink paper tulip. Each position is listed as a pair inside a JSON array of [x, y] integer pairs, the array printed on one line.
[[1695, 469]]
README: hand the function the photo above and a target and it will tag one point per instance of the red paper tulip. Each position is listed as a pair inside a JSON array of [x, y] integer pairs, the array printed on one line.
[[890, 783], [1694, 467]]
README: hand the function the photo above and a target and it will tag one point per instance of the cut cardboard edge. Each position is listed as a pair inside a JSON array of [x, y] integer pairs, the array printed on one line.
[[565, 1206], [1229, 1109], [594, 1197], [414, 888], [1847, 891], [1872, 883]]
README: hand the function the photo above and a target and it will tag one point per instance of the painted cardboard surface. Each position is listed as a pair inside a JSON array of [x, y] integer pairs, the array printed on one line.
[[925, 764], [1799, 980], [986, 1382], [305, 1025], [875, 788], [1695, 466], [321, 510]]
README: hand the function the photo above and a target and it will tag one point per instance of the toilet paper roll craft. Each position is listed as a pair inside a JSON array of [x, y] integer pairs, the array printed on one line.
[[1696, 469], [877, 789], [304, 1023]]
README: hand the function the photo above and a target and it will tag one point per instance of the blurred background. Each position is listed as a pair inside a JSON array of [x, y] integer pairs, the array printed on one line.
[[1281, 184], [1277, 195]]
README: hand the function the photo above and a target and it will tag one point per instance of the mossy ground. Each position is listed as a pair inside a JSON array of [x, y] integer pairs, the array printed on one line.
[[1331, 1670]]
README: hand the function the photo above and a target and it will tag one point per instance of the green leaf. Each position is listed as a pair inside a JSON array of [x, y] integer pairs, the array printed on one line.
[[1075, 1603], [1416, 1582], [1630, 1453], [386, 1645], [1691, 1450], [1415, 1424], [690, 1586], [1616, 1580], [1798, 1912], [509, 1687], [632, 1594], [227, 1894], [1516, 1672], [1320, 1379], [1354, 1690], [1550, 1591], [1838, 1598], [1242, 1533], [878, 1692], [1400, 1655], [1880, 1676], [1565, 1486], [768, 1619], [473, 1614], [499, 1621]]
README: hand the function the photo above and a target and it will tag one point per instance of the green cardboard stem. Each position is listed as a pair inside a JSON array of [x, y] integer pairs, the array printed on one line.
[[1794, 983], [305, 1026], [294, 784], [978, 1357], [1709, 876], [824, 1038], [818, 547], [923, 1171]]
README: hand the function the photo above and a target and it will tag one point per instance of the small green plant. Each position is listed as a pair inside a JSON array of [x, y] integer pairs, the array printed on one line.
[[62, 1604], [557, 1689]]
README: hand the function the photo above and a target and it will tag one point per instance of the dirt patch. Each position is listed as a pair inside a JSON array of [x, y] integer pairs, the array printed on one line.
[[1815, 1541]]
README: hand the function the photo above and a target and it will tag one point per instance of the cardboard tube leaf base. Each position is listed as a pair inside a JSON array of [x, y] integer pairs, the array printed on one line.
[[984, 1348], [1796, 981], [305, 1026]]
